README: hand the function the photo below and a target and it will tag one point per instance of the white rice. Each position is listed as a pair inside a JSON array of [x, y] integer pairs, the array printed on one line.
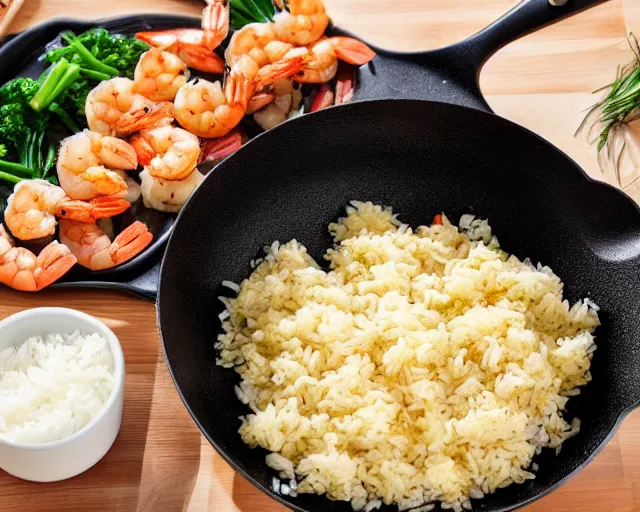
[[424, 367], [51, 388]]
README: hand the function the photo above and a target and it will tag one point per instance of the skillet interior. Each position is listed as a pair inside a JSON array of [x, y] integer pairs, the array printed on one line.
[[421, 158]]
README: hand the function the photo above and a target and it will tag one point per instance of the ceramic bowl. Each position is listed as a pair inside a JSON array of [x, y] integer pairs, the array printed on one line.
[[58, 460]]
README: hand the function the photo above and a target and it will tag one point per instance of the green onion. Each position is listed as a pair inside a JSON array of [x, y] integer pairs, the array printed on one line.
[[70, 76], [88, 57], [40, 100], [9, 177], [95, 75], [618, 107], [15, 168], [66, 119], [49, 161]]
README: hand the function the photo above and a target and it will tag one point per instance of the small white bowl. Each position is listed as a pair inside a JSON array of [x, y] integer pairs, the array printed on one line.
[[58, 460]]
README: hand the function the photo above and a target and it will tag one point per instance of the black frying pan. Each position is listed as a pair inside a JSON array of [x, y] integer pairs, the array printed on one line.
[[421, 157]]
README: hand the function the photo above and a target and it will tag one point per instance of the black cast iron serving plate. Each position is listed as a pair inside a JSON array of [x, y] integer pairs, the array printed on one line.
[[448, 75], [421, 157]]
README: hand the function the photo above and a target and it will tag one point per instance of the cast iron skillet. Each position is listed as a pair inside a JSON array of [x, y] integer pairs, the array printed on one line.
[[421, 157]]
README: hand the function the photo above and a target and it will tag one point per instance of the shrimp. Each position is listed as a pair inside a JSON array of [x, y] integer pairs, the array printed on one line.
[[34, 204], [258, 41], [95, 250], [304, 23], [22, 270], [188, 44], [168, 196], [31, 208], [167, 152], [112, 108], [85, 164], [195, 46], [108, 101], [322, 65], [160, 114], [209, 111], [159, 75]]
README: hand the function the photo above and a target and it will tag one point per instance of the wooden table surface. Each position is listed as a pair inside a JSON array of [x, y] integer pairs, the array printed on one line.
[[160, 462]]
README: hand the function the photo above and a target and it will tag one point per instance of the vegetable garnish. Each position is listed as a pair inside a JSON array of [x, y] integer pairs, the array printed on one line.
[[614, 114], [98, 50], [23, 133], [244, 12]]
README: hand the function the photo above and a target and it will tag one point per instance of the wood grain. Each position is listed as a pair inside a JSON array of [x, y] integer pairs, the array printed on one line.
[[160, 462]]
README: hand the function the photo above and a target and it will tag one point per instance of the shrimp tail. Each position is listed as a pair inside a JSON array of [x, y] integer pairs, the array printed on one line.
[[215, 23], [143, 118], [89, 212], [323, 98], [54, 261], [259, 101], [188, 44], [201, 58], [130, 242], [145, 152], [351, 50], [217, 149], [285, 68], [345, 84], [238, 89], [162, 39]]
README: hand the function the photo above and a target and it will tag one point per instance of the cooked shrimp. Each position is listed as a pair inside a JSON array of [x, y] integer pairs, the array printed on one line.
[[85, 162], [188, 44], [145, 118], [108, 101], [95, 250], [195, 46], [159, 75], [209, 111], [167, 152], [34, 204], [322, 65], [22, 270], [258, 41], [30, 212], [168, 196], [303, 24]]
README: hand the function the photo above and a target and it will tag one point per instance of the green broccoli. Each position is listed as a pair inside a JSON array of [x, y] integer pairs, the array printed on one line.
[[101, 52], [23, 132]]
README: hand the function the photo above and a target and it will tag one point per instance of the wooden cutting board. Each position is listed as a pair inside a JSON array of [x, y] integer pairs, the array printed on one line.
[[160, 462]]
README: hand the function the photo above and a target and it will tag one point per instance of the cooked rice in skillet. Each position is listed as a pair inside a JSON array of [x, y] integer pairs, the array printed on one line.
[[426, 366]]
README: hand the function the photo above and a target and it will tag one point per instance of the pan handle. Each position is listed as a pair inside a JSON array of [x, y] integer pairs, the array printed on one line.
[[144, 286], [451, 74], [526, 17]]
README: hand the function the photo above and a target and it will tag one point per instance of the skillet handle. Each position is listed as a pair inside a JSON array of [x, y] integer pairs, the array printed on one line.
[[144, 286], [526, 17], [451, 74]]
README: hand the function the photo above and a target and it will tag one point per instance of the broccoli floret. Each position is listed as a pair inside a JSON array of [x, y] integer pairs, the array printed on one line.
[[121, 53], [22, 131], [18, 121]]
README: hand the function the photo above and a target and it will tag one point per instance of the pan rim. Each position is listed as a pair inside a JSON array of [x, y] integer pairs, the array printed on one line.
[[364, 104]]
